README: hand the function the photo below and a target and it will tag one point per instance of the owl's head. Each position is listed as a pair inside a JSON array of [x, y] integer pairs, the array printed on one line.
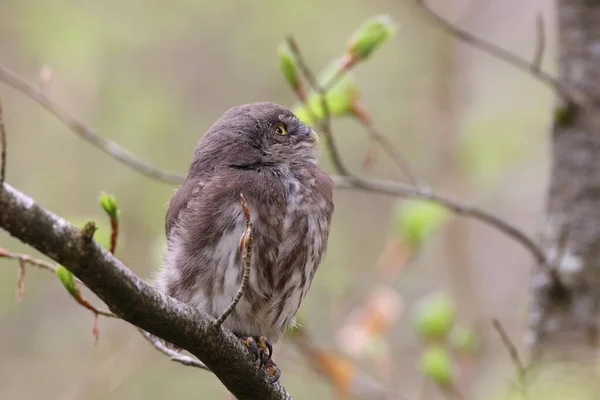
[[258, 134]]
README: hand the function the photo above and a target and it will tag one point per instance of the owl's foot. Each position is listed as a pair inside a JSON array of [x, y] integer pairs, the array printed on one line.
[[262, 349], [273, 371]]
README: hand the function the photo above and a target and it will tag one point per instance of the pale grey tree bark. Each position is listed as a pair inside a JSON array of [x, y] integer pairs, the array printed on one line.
[[565, 312]]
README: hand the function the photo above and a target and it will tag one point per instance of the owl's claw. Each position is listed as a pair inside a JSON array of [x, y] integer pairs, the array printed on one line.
[[266, 349], [273, 371], [261, 348]]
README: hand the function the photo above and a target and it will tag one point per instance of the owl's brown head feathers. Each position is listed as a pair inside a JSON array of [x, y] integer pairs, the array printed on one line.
[[254, 135]]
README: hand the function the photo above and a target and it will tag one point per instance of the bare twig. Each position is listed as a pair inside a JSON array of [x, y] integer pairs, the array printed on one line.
[[346, 181], [172, 354], [114, 234], [499, 52], [48, 266], [29, 260], [323, 123], [21, 281], [514, 355], [108, 146], [540, 47], [403, 190], [4, 145], [246, 249], [388, 147]]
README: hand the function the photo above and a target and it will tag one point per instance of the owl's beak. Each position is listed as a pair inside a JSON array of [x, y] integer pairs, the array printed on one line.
[[313, 136]]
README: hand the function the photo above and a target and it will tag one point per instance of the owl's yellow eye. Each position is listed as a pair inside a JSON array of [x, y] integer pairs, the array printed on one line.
[[280, 129]]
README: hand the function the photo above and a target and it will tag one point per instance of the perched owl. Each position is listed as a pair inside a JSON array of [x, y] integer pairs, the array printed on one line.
[[264, 152]]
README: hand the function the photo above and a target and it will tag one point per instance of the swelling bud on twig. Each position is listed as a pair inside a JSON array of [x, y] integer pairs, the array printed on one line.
[[289, 68], [437, 365], [109, 204], [463, 340], [340, 99], [417, 220], [434, 316], [368, 37], [66, 278]]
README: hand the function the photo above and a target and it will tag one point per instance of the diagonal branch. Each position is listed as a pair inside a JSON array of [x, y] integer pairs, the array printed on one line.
[[346, 181], [133, 300], [403, 190], [108, 146], [532, 68], [3, 146]]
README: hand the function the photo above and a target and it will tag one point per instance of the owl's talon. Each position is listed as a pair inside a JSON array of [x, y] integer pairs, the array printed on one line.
[[251, 345], [266, 349], [273, 371], [262, 349]]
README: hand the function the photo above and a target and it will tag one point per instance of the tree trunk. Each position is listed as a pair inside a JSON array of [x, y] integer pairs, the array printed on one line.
[[564, 313]]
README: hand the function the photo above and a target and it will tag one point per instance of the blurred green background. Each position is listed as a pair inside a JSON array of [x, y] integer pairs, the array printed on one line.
[[154, 75]]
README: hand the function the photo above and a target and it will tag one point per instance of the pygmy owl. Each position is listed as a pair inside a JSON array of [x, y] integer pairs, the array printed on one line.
[[264, 152]]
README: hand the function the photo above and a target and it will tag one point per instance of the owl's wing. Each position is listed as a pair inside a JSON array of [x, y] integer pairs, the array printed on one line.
[[182, 198]]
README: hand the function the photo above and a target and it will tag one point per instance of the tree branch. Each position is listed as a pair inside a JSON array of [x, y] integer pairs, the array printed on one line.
[[403, 190], [108, 146], [3, 145], [498, 52], [135, 301], [346, 181]]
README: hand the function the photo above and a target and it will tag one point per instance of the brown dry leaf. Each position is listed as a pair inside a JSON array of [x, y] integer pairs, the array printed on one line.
[[381, 310], [394, 258]]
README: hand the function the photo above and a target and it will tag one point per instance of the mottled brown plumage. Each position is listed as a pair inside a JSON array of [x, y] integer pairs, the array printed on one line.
[[263, 151]]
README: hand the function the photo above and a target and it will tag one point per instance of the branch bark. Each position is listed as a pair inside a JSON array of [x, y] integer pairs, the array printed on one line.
[[133, 300]]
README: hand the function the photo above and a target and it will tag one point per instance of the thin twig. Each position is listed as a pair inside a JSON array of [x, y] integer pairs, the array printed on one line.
[[246, 249], [48, 266], [348, 180], [108, 146], [21, 281], [114, 234], [513, 353], [498, 52], [172, 354], [388, 147], [540, 47], [4, 145], [404, 190], [323, 123]]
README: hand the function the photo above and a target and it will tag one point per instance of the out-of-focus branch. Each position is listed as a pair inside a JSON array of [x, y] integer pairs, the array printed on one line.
[[131, 299], [3, 145], [108, 146], [404, 190], [346, 181], [514, 356], [531, 67], [352, 181]]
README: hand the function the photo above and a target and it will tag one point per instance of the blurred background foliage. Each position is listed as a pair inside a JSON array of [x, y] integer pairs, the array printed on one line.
[[154, 75]]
